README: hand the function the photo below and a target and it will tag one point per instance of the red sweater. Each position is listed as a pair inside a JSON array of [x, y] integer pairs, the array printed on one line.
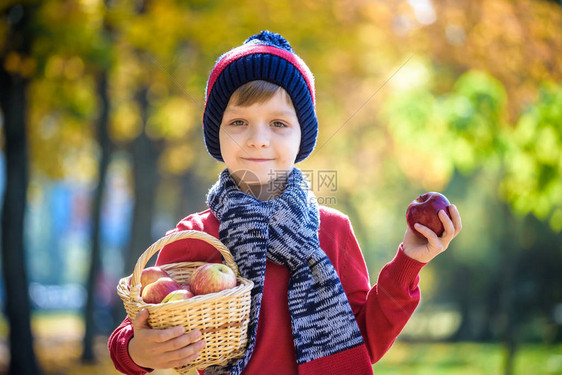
[[381, 311]]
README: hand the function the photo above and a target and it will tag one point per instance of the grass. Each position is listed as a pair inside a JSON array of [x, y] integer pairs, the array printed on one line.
[[58, 346], [403, 358], [467, 358]]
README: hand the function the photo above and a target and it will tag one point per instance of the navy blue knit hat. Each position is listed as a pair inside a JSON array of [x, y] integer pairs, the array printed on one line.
[[266, 56]]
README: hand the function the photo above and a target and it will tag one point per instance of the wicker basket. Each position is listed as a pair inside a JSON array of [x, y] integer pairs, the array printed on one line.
[[221, 317]]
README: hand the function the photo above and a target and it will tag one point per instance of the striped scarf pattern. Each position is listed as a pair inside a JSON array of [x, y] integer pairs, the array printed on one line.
[[285, 231]]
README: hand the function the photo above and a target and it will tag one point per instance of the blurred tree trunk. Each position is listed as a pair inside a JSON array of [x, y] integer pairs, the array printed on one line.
[[104, 142], [509, 249], [192, 197], [95, 261], [462, 279], [145, 173], [145, 152], [13, 87], [491, 308]]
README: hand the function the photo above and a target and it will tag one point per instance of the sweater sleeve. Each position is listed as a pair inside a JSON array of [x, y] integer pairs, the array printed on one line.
[[383, 311], [118, 345]]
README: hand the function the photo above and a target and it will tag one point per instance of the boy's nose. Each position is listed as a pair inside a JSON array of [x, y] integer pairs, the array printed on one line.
[[258, 136]]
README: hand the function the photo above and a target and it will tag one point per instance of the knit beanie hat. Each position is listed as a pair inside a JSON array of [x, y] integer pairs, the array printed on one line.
[[266, 56]]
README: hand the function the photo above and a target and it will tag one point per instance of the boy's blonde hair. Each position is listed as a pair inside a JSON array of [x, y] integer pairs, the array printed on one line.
[[253, 92]]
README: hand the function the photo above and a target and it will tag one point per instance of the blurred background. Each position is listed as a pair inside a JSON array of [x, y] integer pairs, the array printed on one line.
[[102, 152]]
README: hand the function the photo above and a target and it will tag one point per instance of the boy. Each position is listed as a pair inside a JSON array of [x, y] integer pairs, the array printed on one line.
[[313, 310]]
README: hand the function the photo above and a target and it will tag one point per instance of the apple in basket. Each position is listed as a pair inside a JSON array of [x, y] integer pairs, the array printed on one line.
[[187, 287], [212, 278], [158, 290], [150, 275], [177, 295]]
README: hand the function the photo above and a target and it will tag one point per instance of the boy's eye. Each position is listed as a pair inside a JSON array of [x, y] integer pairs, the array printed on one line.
[[279, 124], [237, 123]]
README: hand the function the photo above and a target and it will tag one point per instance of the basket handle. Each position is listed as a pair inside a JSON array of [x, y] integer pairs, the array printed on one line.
[[155, 247]]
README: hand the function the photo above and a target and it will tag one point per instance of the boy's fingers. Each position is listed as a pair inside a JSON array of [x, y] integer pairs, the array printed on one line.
[[163, 335], [456, 217], [434, 242], [183, 340], [425, 231], [187, 351], [183, 361], [156, 335], [187, 354], [141, 320], [449, 232], [194, 335]]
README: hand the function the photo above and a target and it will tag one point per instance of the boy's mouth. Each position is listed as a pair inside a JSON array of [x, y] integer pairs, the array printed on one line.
[[256, 160]]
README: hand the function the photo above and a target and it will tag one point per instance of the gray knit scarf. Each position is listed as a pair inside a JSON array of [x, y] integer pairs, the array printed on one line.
[[285, 231]]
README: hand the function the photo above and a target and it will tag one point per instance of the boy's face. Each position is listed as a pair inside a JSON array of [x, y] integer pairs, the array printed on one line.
[[260, 142]]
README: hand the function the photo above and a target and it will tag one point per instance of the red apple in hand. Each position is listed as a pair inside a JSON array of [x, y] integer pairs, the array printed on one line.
[[424, 210], [155, 292], [177, 295], [212, 278]]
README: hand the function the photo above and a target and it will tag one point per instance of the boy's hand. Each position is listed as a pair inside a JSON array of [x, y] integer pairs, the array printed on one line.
[[162, 348], [424, 250]]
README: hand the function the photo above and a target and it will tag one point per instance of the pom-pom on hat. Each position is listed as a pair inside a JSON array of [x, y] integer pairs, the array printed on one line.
[[266, 56]]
